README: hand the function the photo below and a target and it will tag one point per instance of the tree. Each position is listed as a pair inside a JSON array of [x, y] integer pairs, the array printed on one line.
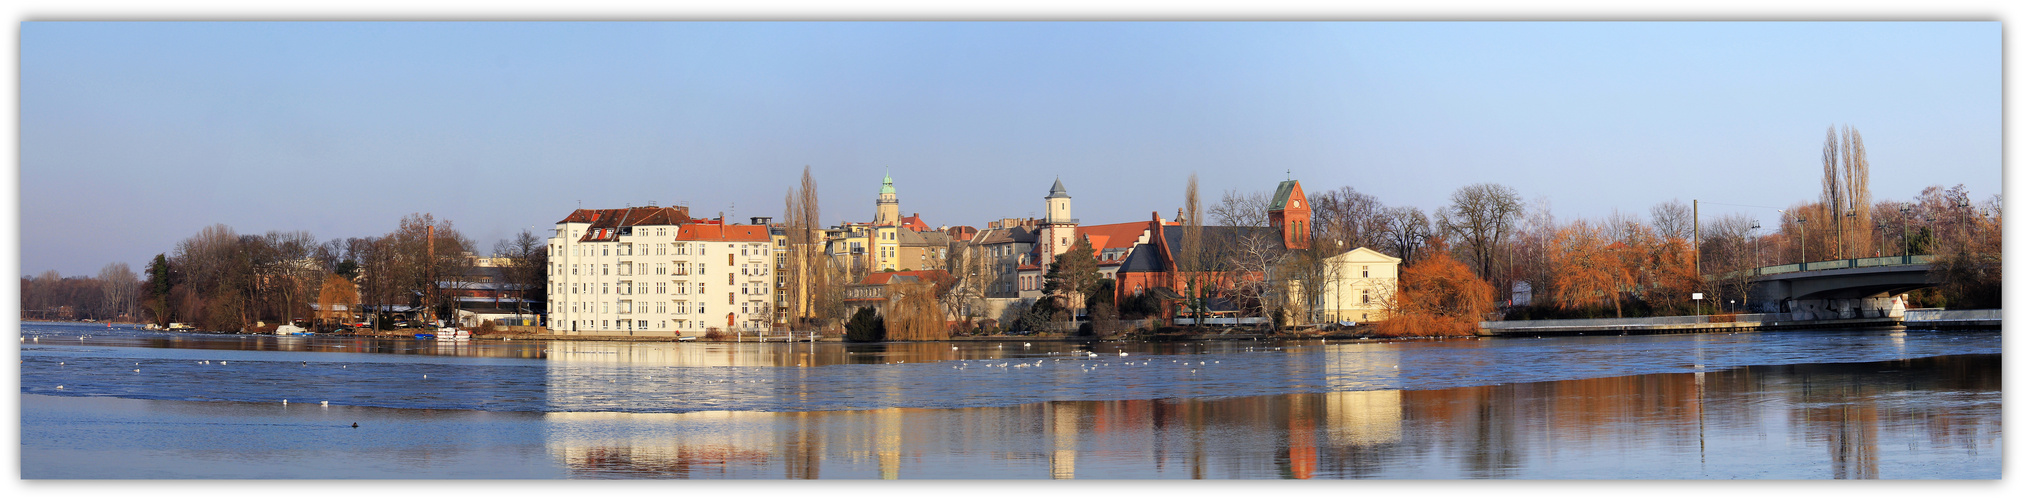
[[972, 272], [1405, 229], [526, 266], [1844, 193], [335, 292], [1481, 217], [156, 293], [1437, 296], [288, 272], [1349, 218], [1071, 278], [1968, 261], [119, 285], [809, 277], [219, 283], [913, 312], [1192, 264], [1591, 268], [1261, 287], [1242, 209], [1726, 254], [1672, 220], [426, 254], [865, 326]]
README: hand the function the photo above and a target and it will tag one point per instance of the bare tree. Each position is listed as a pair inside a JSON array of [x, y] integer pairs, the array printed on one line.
[[1191, 262], [1725, 255], [120, 285], [288, 269], [1481, 218], [1350, 218], [1672, 220], [526, 268], [973, 273], [809, 277], [1242, 209], [1531, 251], [1259, 287], [1405, 230], [1844, 193]]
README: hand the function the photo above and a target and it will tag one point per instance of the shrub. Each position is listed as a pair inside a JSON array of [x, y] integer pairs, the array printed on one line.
[[864, 326]]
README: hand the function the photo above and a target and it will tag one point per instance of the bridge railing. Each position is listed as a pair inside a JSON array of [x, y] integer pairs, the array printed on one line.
[[1896, 260]]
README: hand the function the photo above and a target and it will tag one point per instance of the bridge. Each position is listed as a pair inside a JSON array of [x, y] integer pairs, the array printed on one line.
[[1838, 289]]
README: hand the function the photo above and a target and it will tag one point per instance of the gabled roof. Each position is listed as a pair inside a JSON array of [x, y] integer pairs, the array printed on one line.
[[1285, 192], [1109, 236], [1143, 259], [1365, 254], [913, 222], [723, 232], [601, 221], [1007, 235], [1219, 235], [1057, 191]]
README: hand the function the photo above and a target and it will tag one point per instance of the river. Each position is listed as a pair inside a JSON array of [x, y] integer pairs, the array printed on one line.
[[127, 403]]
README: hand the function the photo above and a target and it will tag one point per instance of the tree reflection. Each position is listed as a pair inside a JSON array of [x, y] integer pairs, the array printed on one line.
[[1657, 425]]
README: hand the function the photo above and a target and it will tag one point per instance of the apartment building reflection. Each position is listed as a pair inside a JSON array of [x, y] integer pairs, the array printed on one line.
[[1510, 430]]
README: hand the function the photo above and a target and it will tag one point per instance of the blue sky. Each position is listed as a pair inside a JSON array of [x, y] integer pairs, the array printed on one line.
[[151, 131]]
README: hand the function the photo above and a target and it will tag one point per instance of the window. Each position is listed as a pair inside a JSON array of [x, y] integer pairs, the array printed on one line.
[[606, 288], [607, 269], [572, 269], [1366, 297], [1366, 274]]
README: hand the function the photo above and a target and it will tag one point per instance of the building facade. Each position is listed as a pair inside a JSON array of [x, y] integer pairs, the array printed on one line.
[[655, 271]]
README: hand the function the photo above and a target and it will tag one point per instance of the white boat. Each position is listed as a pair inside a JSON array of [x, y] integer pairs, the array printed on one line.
[[290, 330], [452, 334]]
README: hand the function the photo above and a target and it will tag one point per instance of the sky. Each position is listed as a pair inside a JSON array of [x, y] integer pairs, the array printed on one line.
[[135, 135]]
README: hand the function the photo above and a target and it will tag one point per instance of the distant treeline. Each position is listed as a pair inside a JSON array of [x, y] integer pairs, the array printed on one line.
[[220, 280]]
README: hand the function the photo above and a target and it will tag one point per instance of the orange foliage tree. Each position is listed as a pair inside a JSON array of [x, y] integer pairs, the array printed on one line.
[[1437, 296], [1591, 270]]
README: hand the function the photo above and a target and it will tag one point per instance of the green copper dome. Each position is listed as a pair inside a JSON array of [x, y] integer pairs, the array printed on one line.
[[888, 185]]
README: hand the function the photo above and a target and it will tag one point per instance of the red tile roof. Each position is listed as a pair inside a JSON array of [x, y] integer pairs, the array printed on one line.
[[1106, 236], [724, 232], [913, 222]]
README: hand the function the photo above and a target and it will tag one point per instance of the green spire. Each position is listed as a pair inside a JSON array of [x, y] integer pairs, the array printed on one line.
[[888, 184]]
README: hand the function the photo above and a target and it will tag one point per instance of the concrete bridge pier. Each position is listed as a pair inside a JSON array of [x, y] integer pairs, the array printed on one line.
[[1857, 308]]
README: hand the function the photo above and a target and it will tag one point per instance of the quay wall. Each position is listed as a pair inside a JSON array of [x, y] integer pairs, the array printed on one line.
[[1915, 318]]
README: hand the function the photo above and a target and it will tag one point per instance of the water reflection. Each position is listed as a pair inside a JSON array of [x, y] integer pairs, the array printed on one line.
[[1935, 417]]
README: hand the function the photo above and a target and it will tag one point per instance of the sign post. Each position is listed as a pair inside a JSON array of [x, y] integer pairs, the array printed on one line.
[[1696, 303]]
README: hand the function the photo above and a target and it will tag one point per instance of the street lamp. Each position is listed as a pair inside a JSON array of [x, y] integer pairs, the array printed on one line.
[[1756, 260], [1904, 233], [1801, 239]]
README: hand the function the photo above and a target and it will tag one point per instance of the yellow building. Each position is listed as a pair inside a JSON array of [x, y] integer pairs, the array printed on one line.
[[1361, 285]]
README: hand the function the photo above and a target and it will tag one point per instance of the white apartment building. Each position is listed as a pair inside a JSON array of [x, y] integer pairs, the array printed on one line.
[[654, 271]]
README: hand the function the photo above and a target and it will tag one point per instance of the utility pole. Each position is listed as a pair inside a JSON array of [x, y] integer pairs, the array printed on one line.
[[1696, 237]]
